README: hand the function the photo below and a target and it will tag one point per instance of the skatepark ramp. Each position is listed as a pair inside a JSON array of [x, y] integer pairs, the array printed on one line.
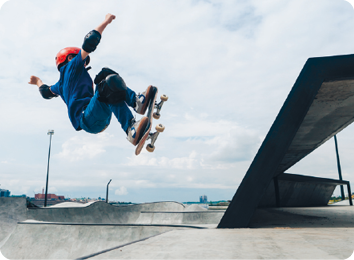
[[320, 104], [74, 231], [180, 218], [100, 212], [40, 240], [12, 210]]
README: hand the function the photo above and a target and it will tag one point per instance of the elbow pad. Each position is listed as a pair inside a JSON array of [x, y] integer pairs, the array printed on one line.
[[45, 92], [91, 40]]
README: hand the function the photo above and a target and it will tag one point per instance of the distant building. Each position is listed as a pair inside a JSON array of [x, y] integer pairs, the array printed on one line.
[[4, 193], [203, 199], [41, 196], [52, 199]]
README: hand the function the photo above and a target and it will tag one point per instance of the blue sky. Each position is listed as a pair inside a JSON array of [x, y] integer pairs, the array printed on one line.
[[227, 67]]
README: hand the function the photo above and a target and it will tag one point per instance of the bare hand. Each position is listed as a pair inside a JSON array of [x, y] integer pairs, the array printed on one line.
[[109, 18], [35, 81]]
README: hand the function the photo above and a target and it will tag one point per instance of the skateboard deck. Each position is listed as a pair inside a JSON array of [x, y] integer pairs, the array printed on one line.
[[151, 107], [150, 114]]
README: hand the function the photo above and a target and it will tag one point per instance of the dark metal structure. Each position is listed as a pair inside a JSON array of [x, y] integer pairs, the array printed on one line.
[[320, 104], [50, 132], [107, 190], [339, 168]]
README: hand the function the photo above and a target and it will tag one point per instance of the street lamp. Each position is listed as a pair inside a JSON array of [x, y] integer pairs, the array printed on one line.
[[50, 132], [107, 190]]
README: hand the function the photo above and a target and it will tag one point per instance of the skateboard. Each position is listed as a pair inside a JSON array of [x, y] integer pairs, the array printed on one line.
[[151, 114]]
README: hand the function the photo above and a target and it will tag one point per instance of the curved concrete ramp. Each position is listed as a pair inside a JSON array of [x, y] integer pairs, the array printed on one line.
[[69, 204], [35, 240], [64, 231], [181, 218], [194, 207], [12, 210], [100, 212]]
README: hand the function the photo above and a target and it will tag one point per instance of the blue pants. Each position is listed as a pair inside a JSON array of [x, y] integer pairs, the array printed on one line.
[[97, 115]]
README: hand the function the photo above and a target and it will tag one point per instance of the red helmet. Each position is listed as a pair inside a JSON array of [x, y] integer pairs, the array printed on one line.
[[62, 56]]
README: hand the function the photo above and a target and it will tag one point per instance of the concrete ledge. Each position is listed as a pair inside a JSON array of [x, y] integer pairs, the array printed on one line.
[[320, 104], [293, 190]]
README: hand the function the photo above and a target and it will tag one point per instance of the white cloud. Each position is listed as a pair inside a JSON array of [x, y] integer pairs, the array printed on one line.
[[88, 146], [2, 2], [121, 191], [188, 162], [1, 257]]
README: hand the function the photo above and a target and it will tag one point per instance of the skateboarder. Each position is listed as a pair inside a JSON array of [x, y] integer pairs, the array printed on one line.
[[92, 110]]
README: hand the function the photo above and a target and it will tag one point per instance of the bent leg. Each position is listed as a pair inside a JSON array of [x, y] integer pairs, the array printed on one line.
[[130, 97], [123, 114], [113, 89], [96, 116]]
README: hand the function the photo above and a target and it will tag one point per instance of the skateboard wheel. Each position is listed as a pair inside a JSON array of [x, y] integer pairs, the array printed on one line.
[[164, 97], [156, 115], [150, 148], [160, 128]]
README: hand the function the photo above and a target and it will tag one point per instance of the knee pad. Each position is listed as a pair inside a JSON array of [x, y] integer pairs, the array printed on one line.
[[116, 83], [102, 75], [112, 90]]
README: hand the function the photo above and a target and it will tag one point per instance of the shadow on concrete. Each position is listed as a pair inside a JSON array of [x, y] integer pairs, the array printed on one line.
[[314, 217]]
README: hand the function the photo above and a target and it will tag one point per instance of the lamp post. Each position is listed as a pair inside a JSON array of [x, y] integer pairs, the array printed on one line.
[[107, 190], [50, 132], [339, 168]]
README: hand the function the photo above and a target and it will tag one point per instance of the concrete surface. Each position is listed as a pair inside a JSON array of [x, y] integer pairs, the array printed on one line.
[[299, 191], [70, 204], [278, 233], [194, 207], [12, 210], [326, 243], [310, 217], [341, 203], [191, 217], [71, 231], [100, 212], [67, 241], [275, 233]]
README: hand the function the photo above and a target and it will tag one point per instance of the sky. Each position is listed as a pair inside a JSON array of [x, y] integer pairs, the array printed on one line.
[[227, 67]]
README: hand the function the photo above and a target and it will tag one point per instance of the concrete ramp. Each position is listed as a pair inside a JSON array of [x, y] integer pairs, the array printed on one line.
[[74, 231], [36, 240], [12, 210], [181, 218], [100, 212]]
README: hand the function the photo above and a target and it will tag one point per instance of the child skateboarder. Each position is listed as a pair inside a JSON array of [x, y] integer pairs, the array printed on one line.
[[92, 110]]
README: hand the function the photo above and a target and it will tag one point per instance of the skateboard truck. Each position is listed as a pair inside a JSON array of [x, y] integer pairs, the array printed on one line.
[[153, 136], [158, 106]]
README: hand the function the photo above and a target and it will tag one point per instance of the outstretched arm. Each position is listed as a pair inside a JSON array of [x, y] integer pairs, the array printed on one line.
[[35, 81], [43, 88], [108, 19], [86, 49]]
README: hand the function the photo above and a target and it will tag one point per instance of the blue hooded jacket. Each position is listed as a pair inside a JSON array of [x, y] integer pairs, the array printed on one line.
[[75, 87]]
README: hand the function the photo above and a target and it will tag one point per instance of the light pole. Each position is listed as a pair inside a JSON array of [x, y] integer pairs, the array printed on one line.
[[50, 132], [107, 190], [339, 168]]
